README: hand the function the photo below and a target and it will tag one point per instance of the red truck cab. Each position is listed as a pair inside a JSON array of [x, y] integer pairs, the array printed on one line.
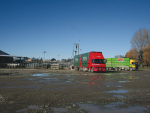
[[91, 61]]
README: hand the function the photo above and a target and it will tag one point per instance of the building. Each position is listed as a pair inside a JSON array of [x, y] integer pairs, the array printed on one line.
[[5, 59]]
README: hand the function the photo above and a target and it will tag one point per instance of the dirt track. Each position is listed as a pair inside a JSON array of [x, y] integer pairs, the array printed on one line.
[[44, 90]]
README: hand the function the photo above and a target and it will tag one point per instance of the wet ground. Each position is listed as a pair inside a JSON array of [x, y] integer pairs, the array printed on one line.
[[69, 91]]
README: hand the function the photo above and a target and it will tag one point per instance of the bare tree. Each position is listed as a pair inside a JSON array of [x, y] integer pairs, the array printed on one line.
[[139, 41]]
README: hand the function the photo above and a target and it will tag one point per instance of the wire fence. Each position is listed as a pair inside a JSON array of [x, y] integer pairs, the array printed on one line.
[[45, 65]]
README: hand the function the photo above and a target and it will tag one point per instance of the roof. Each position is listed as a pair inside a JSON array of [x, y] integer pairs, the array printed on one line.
[[10, 56], [96, 52], [3, 53]]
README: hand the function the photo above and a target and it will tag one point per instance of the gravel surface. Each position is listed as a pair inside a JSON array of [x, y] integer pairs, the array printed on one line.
[[69, 91]]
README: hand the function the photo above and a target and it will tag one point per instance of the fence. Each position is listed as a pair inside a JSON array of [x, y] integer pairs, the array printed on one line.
[[38, 65], [12, 65], [45, 65]]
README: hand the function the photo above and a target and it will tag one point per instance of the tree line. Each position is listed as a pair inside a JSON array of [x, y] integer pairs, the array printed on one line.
[[140, 47]]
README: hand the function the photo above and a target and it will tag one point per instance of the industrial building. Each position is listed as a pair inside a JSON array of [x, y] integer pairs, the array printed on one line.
[[7, 59], [12, 61]]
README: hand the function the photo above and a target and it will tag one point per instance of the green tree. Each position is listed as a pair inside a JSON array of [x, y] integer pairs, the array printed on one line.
[[53, 59]]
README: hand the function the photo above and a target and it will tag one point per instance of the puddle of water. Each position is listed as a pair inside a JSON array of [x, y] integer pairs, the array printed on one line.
[[66, 75], [58, 83], [50, 78], [122, 81], [25, 74], [118, 91], [31, 78], [55, 74], [40, 74], [121, 73], [33, 107], [124, 76], [108, 74], [114, 85], [28, 107], [30, 86], [118, 96], [119, 86], [60, 110], [107, 85], [111, 108], [6, 74]]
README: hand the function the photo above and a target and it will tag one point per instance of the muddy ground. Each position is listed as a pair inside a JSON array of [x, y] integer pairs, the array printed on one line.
[[69, 91]]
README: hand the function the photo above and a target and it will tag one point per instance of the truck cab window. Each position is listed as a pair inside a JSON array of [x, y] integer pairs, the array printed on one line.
[[135, 63], [98, 61]]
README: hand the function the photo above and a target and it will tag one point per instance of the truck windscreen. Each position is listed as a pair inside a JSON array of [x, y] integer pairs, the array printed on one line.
[[98, 61], [135, 63]]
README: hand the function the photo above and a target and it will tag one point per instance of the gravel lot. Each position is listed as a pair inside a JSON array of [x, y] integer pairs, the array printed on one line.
[[69, 91]]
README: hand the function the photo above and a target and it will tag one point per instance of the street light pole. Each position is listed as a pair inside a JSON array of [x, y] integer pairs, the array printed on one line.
[[81, 51], [77, 46], [58, 56], [78, 49]]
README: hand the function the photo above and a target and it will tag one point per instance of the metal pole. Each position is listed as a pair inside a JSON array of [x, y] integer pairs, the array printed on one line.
[[81, 51], [78, 49], [73, 53], [58, 56]]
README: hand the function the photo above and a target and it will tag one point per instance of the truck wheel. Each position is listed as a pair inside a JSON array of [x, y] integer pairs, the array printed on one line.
[[84, 69], [91, 70], [131, 69], [79, 69], [76, 69]]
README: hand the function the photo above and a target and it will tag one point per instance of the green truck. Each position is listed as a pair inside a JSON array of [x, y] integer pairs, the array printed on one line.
[[121, 64]]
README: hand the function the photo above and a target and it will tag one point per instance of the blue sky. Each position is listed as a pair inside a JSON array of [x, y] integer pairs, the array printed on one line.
[[29, 27]]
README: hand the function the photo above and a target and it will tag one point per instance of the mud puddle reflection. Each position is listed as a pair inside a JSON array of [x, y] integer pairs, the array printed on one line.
[[51, 78], [117, 91], [60, 110], [6, 74], [118, 96], [28, 107], [112, 108], [40, 74]]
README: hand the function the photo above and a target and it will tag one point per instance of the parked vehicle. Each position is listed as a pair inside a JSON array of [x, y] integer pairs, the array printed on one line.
[[91, 61], [121, 64]]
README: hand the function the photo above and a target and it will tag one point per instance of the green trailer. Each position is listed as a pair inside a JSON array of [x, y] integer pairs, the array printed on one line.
[[121, 64], [77, 60]]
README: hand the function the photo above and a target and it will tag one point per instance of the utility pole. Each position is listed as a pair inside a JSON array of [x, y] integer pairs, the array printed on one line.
[[77, 46], [78, 49], [75, 52], [81, 51], [58, 56]]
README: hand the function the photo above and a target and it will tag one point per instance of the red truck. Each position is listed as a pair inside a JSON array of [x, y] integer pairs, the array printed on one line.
[[91, 61]]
